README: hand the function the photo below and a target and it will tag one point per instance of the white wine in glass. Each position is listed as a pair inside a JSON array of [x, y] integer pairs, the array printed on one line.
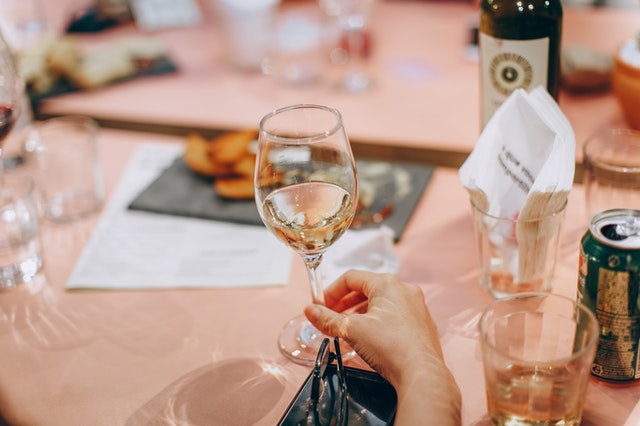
[[306, 189]]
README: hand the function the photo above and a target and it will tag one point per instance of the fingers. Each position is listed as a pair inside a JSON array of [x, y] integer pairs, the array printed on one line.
[[327, 321], [351, 289], [350, 303]]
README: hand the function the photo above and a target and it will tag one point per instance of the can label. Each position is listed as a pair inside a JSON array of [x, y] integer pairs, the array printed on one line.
[[609, 284]]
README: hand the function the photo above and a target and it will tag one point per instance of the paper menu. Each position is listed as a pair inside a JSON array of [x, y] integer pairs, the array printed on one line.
[[139, 250]]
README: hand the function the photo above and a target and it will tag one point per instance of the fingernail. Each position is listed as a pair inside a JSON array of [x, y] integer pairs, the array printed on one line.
[[312, 312]]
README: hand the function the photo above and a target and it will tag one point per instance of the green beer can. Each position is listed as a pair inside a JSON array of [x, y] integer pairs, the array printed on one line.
[[609, 284]]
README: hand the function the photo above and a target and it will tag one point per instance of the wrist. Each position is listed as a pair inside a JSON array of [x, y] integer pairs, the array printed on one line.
[[428, 390]]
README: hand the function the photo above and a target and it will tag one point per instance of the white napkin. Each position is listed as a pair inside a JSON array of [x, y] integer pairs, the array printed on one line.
[[523, 165], [365, 249], [527, 148]]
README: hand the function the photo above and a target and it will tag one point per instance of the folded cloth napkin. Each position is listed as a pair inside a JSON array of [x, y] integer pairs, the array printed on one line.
[[366, 249], [522, 165]]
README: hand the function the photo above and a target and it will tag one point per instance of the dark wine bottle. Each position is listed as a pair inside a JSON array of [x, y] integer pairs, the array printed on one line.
[[519, 44]]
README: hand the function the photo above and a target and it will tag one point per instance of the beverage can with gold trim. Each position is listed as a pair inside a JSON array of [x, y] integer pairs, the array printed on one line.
[[609, 284]]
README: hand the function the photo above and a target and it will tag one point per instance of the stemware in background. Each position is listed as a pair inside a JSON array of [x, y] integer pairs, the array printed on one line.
[[306, 191], [10, 95], [353, 18], [611, 159]]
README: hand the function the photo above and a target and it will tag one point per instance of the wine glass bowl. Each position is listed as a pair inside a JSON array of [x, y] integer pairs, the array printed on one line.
[[10, 94], [306, 190]]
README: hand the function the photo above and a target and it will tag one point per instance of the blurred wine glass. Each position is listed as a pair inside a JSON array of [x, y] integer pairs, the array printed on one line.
[[306, 190], [10, 95], [353, 17]]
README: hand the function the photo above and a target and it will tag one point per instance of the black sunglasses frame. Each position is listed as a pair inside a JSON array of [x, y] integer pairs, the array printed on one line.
[[324, 361], [323, 399]]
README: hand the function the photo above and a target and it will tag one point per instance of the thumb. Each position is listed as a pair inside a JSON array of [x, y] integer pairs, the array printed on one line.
[[324, 319]]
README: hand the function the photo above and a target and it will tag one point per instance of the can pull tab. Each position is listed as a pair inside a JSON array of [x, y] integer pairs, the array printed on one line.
[[629, 228]]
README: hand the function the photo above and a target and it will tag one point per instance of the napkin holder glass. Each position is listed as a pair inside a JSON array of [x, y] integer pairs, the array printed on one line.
[[334, 394]]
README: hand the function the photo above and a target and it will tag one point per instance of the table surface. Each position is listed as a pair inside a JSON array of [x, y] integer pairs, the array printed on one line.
[[210, 356], [424, 104]]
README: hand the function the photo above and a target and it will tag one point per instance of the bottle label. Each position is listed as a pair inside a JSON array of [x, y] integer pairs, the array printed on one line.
[[507, 65]]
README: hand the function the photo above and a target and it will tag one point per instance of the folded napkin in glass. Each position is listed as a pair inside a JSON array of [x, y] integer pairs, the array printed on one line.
[[524, 161], [334, 394], [522, 167]]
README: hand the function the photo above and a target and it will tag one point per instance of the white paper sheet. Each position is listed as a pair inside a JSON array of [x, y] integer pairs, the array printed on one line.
[[139, 250]]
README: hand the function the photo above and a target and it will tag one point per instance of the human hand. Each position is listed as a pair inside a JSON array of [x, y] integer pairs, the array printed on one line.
[[383, 319], [388, 324]]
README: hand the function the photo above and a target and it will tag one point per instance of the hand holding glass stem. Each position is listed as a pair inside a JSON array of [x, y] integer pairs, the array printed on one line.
[[388, 324]]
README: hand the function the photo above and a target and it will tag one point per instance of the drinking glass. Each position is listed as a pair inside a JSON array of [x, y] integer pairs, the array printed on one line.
[[10, 95], [306, 190], [517, 254], [353, 18], [611, 159], [537, 351]]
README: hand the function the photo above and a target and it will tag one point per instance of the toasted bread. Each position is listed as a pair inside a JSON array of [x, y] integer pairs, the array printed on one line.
[[236, 188], [230, 147], [229, 158], [196, 157], [245, 166]]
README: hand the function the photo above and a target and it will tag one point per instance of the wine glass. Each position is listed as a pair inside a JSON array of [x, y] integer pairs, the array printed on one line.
[[353, 19], [306, 190], [10, 95]]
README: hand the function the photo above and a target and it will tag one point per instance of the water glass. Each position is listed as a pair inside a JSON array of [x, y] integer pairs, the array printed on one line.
[[537, 351], [299, 57], [516, 254], [20, 245], [249, 28], [68, 164], [611, 159]]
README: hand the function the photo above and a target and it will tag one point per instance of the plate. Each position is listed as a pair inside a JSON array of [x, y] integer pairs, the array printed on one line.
[[389, 192]]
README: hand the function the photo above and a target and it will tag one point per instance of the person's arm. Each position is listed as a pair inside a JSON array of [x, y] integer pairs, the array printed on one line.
[[388, 324]]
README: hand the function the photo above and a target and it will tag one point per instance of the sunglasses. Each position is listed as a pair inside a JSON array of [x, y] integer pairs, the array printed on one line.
[[336, 395]]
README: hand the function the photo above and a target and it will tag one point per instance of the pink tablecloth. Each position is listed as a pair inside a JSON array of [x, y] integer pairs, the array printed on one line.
[[210, 356]]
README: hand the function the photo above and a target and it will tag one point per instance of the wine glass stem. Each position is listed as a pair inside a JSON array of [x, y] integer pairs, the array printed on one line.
[[1, 166], [355, 46], [312, 264]]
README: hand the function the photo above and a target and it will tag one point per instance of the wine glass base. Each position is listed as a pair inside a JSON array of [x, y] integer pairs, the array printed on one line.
[[299, 341]]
